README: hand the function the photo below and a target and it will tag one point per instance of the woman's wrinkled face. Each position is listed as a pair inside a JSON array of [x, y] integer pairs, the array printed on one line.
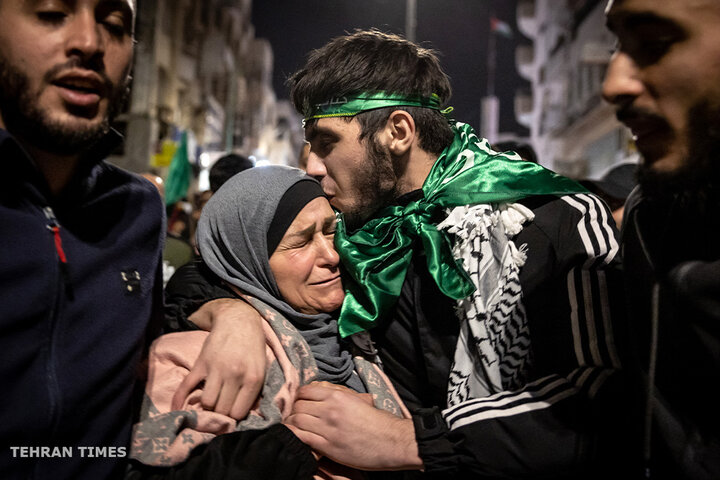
[[305, 263]]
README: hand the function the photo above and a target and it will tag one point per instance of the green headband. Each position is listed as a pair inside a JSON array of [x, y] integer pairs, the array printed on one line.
[[362, 102]]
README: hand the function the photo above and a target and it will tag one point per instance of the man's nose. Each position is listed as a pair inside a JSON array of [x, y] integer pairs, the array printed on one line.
[[86, 37], [315, 166], [622, 80]]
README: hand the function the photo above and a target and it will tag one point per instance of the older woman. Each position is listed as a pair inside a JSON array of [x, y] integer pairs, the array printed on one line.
[[267, 235]]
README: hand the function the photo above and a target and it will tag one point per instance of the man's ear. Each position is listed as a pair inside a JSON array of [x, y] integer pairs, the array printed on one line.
[[401, 128]]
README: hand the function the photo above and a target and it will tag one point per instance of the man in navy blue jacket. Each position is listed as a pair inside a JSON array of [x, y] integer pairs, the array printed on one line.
[[80, 243]]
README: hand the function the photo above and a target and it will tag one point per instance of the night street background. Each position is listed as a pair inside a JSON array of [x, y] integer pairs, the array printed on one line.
[[458, 29]]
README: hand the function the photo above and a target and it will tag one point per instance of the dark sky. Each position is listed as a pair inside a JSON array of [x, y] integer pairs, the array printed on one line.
[[458, 29]]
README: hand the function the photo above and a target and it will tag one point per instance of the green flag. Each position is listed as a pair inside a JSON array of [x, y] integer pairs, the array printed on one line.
[[180, 173]]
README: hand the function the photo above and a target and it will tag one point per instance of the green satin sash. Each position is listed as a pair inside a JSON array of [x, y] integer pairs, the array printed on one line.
[[377, 256]]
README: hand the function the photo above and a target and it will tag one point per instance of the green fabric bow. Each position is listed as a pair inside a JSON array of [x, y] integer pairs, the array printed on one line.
[[377, 256]]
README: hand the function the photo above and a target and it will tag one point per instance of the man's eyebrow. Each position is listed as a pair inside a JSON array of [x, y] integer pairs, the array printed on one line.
[[313, 131]]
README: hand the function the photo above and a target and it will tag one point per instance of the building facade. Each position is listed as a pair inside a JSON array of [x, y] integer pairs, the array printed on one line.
[[198, 69], [572, 129]]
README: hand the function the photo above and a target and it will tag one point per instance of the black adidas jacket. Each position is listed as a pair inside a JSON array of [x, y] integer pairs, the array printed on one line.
[[570, 420]]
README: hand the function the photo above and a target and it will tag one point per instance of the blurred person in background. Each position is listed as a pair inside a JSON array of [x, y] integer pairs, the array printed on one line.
[[226, 167], [180, 247], [221, 171], [81, 242], [186, 253], [664, 81], [525, 150], [614, 187]]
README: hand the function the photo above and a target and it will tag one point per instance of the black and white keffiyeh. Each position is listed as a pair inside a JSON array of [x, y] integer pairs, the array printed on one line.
[[493, 353]]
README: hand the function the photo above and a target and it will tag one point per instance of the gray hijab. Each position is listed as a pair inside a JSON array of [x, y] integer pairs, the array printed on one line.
[[232, 239]]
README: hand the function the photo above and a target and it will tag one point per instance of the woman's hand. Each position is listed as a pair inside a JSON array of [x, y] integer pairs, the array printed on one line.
[[232, 362]]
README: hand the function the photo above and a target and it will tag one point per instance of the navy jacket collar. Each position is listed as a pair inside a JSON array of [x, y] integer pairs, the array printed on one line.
[[19, 164], [97, 152]]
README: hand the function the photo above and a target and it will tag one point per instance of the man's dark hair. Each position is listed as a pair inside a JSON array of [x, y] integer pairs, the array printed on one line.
[[225, 167], [372, 61]]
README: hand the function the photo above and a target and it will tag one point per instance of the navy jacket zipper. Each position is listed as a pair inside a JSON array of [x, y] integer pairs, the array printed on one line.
[[53, 389], [54, 227]]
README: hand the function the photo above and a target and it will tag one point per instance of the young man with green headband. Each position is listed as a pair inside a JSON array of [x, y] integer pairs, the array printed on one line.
[[488, 284]]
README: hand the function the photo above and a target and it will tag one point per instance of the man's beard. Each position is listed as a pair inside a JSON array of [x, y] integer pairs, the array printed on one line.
[[698, 180], [24, 118], [374, 189]]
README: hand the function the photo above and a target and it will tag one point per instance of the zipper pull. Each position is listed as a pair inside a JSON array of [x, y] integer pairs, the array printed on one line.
[[54, 227]]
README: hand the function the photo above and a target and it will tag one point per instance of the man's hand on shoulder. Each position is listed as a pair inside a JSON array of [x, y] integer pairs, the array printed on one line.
[[344, 426], [232, 362]]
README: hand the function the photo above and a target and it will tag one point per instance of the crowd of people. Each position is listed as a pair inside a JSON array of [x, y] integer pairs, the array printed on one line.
[[413, 303]]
